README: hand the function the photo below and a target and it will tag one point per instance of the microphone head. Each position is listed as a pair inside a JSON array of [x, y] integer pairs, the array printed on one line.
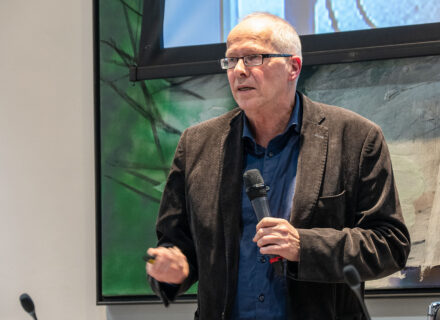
[[27, 303], [252, 177], [254, 184], [351, 276]]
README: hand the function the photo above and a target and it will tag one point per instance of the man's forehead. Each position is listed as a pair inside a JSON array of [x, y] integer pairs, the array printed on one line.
[[245, 35], [245, 46]]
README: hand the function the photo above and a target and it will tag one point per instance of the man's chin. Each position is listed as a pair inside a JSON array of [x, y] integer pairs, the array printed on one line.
[[248, 106]]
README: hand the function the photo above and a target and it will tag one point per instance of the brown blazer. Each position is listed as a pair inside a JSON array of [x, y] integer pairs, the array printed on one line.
[[345, 207]]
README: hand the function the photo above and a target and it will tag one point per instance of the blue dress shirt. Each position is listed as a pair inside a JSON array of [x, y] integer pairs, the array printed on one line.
[[260, 293]]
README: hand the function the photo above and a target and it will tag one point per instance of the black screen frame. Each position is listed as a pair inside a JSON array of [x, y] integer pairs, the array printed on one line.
[[155, 61]]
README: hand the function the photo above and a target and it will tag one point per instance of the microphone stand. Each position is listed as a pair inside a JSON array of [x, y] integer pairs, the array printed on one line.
[[433, 309]]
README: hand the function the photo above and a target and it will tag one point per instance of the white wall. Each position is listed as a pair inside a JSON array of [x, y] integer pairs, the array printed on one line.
[[46, 159], [47, 233]]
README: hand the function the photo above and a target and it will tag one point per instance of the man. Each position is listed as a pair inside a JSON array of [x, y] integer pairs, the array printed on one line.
[[332, 194]]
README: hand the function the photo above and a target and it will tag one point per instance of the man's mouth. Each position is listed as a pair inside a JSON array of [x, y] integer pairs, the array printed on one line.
[[245, 88]]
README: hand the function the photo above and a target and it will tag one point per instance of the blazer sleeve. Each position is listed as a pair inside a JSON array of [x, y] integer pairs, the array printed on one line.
[[377, 243], [172, 226]]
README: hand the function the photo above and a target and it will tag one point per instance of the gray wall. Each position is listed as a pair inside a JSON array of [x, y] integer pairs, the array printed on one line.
[[47, 170], [380, 309]]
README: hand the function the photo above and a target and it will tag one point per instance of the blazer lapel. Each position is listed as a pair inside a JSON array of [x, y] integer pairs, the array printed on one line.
[[230, 201], [311, 163]]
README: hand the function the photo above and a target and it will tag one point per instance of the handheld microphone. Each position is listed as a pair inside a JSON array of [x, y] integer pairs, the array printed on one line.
[[256, 191], [28, 305], [352, 278]]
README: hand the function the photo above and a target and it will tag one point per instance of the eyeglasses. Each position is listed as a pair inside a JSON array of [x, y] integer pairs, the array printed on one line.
[[250, 60]]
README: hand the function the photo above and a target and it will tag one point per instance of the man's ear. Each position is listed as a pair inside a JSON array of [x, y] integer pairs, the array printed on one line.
[[296, 65]]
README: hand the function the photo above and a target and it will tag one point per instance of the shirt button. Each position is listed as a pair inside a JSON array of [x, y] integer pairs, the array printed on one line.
[[261, 297], [263, 259], [270, 154]]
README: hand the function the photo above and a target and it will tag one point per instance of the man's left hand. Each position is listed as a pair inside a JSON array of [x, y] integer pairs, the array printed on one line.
[[278, 237]]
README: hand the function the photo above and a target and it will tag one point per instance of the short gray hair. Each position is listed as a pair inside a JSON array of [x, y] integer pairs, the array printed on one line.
[[284, 37]]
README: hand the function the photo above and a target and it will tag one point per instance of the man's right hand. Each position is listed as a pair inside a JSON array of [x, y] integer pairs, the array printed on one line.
[[170, 265]]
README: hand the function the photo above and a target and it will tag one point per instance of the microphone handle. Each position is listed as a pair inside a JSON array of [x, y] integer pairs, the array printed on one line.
[[261, 207], [262, 210]]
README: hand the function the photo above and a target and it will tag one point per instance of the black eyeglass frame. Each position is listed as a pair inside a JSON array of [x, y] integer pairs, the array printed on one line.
[[224, 61]]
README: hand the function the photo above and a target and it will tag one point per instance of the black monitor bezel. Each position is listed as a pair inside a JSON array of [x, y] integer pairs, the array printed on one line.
[[338, 47]]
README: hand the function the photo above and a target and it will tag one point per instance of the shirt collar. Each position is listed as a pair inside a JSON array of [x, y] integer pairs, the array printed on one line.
[[294, 123]]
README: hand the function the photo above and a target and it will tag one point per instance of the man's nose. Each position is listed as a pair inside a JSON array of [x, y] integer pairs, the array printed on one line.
[[240, 68]]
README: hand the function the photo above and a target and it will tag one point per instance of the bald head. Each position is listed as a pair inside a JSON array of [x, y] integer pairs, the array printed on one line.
[[270, 29]]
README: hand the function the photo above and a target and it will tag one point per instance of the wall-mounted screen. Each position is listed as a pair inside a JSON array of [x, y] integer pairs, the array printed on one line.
[[185, 26]]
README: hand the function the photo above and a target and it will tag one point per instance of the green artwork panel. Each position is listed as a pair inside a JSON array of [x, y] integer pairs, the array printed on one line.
[[137, 148], [140, 125]]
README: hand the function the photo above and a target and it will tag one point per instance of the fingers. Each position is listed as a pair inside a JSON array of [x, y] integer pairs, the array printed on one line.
[[274, 249], [278, 237], [170, 265], [268, 226], [270, 222], [271, 239]]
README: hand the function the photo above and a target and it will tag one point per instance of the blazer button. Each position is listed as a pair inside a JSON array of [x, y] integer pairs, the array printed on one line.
[[261, 297]]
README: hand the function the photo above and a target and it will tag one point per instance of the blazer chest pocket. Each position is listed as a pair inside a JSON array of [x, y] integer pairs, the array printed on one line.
[[330, 212]]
